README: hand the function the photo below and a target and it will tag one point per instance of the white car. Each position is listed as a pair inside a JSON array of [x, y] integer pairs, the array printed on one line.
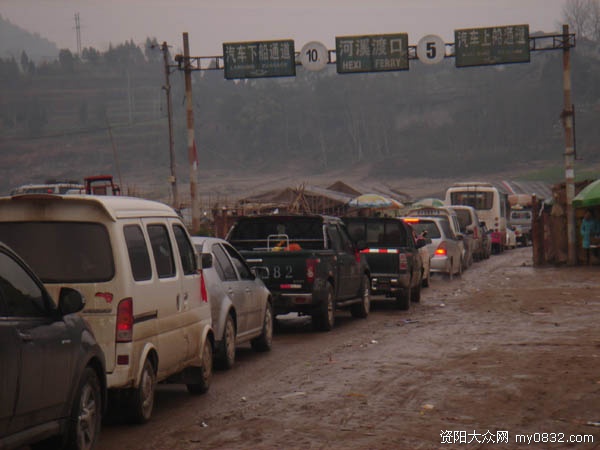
[[445, 248], [241, 305]]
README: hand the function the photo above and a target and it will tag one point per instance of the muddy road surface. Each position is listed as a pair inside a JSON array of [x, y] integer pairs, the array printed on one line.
[[505, 357]]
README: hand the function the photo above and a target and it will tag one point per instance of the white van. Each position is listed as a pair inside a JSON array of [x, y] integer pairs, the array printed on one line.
[[135, 265]]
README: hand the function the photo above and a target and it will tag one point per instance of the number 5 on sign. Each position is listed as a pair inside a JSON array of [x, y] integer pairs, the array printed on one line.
[[314, 56], [431, 49]]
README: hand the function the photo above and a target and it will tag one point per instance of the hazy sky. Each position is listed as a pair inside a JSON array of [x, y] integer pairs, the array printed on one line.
[[209, 23]]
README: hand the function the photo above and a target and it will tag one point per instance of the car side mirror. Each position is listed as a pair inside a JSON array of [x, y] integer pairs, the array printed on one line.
[[361, 245], [422, 242], [70, 301], [206, 260]]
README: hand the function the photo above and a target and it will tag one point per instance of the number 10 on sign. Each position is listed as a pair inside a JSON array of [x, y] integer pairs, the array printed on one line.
[[314, 56]]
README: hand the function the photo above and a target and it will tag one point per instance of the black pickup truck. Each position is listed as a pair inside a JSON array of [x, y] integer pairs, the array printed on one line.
[[308, 262], [392, 252]]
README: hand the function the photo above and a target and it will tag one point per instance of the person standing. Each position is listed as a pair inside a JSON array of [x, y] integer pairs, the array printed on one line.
[[588, 230]]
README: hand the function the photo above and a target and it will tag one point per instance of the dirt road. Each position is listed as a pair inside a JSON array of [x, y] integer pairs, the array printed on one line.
[[506, 350]]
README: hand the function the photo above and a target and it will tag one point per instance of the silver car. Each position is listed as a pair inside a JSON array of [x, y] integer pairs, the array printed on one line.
[[445, 248], [241, 305]]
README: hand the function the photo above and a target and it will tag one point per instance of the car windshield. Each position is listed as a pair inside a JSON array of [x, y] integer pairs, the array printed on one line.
[[429, 226], [520, 215], [62, 252]]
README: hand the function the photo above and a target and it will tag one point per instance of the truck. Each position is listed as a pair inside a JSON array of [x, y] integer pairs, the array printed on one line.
[[520, 217], [101, 185], [393, 253], [308, 262]]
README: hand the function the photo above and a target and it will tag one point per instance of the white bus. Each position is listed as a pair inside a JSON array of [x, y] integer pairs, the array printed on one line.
[[491, 205]]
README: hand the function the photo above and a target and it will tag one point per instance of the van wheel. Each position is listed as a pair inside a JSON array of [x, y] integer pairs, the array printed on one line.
[[205, 372], [226, 356], [362, 309], [264, 342], [403, 299], [142, 398], [324, 318]]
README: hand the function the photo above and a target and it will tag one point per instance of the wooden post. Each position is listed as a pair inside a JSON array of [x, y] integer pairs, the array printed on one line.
[[192, 152], [567, 116]]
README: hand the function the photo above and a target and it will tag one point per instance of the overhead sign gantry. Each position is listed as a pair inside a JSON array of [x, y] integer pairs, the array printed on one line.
[[390, 52]]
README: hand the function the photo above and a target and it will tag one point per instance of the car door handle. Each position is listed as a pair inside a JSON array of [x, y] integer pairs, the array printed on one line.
[[26, 337]]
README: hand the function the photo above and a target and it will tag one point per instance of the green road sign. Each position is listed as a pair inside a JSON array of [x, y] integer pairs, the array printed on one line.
[[259, 59], [375, 53], [494, 45]]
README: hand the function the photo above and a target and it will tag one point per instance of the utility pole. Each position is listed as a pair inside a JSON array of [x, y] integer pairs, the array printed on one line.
[[192, 152], [567, 117], [167, 88]]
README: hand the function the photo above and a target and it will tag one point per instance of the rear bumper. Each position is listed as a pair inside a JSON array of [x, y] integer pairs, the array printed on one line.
[[439, 264], [389, 284], [298, 300]]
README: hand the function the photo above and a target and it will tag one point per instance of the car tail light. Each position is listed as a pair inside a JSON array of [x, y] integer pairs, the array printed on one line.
[[125, 320], [403, 261], [203, 292], [441, 250], [475, 233], [311, 267]]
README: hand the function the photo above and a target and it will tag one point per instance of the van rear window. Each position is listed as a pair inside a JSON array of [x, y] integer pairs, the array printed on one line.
[[62, 252], [464, 219]]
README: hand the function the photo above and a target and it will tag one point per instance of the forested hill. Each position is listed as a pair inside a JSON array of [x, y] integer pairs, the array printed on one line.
[[105, 111], [15, 40]]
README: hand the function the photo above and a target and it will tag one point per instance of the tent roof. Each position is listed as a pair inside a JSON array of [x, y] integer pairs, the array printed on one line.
[[588, 196], [340, 186]]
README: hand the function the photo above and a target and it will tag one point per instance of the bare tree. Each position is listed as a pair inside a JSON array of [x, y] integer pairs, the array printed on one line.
[[583, 16]]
